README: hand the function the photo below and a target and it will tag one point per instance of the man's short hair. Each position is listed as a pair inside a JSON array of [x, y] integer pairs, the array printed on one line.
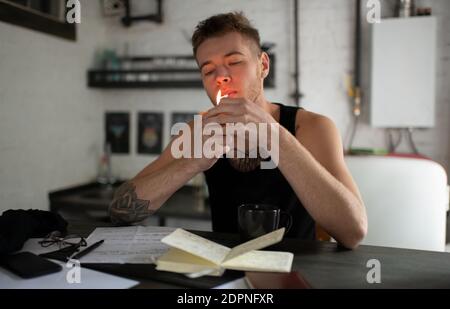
[[221, 24]]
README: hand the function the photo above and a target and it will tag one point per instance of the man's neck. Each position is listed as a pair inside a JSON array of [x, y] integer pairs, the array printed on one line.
[[269, 107], [272, 109]]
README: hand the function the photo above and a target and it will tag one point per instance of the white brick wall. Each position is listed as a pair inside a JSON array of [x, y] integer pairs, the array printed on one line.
[[50, 123], [51, 135]]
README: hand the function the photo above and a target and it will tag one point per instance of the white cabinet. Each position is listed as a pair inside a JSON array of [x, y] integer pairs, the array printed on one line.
[[402, 91]]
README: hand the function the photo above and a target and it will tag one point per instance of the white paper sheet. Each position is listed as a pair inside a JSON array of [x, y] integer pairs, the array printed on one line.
[[132, 245], [89, 279]]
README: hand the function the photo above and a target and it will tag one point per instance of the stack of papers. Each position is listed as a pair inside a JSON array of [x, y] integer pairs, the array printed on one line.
[[131, 245]]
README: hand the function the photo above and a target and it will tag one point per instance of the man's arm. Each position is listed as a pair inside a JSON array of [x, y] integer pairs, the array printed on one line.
[[140, 197], [313, 164]]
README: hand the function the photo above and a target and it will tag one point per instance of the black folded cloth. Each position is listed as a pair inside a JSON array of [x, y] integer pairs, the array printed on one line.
[[17, 226]]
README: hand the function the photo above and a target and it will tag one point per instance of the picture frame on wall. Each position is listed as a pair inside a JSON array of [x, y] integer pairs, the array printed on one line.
[[46, 16], [150, 129], [183, 117], [117, 131]]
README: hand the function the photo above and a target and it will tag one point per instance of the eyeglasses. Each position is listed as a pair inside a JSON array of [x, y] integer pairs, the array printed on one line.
[[56, 237]]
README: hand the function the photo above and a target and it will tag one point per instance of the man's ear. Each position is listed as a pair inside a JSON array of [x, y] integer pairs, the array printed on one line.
[[265, 64]]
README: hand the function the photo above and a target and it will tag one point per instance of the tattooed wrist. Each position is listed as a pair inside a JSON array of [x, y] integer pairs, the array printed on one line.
[[126, 207]]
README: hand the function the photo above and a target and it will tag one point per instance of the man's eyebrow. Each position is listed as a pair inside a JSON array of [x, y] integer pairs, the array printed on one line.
[[234, 53], [227, 55]]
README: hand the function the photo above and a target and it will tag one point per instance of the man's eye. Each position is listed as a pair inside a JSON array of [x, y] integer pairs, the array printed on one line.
[[208, 73], [236, 62]]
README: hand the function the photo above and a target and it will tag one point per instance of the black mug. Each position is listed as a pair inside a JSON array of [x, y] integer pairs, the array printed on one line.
[[258, 219]]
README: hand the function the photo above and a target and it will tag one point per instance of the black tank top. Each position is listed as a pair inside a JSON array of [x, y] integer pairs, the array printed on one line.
[[229, 188]]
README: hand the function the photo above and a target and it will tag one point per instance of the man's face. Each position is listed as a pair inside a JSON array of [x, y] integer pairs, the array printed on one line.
[[229, 63]]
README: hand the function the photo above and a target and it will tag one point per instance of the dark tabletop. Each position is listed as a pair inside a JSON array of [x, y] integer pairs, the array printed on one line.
[[322, 264]]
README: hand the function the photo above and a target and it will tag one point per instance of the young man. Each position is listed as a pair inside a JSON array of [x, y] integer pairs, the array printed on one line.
[[311, 181]]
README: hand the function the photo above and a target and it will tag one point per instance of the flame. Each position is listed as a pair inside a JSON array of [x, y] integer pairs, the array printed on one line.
[[220, 97]]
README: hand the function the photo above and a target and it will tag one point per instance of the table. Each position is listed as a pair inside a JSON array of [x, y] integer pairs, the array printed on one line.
[[322, 264]]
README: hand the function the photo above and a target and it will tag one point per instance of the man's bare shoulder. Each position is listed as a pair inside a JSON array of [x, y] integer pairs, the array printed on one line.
[[311, 124], [316, 132]]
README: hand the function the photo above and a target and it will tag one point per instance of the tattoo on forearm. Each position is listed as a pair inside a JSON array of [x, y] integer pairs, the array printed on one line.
[[126, 207]]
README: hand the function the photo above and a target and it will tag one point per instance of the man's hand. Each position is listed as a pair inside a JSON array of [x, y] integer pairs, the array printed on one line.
[[237, 110], [243, 111], [202, 160]]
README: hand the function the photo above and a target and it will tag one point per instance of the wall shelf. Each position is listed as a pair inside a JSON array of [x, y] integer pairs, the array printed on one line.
[[144, 79], [156, 72]]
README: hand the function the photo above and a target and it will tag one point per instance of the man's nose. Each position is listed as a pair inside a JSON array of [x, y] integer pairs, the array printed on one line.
[[222, 77]]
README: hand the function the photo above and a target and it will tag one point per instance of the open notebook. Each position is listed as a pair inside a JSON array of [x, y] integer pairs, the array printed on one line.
[[192, 254]]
